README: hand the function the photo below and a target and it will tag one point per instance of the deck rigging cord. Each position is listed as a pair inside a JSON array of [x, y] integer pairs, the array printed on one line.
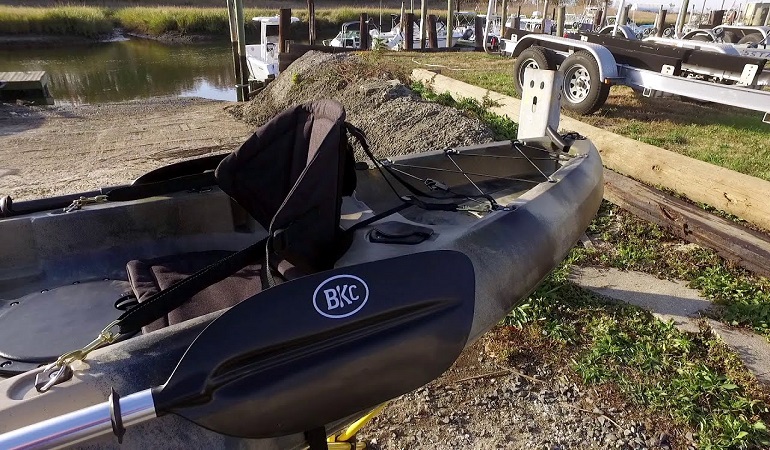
[[397, 171]]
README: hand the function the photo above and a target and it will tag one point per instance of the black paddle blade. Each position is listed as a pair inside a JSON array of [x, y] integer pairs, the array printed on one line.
[[323, 347]]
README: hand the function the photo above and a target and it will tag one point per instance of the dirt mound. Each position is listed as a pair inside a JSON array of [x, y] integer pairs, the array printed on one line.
[[395, 119]]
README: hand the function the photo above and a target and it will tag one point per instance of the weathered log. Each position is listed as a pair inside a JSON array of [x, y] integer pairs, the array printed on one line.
[[732, 241]]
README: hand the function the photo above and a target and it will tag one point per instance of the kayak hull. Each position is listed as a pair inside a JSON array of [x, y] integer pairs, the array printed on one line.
[[511, 251]]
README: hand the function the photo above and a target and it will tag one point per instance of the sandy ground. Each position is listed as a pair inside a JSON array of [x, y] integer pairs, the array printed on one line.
[[69, 149]]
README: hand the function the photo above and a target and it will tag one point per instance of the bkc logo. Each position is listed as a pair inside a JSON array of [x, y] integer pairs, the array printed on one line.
[[340, 296]]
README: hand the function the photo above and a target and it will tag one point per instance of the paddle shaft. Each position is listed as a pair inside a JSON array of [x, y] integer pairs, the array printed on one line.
[[80, 425]]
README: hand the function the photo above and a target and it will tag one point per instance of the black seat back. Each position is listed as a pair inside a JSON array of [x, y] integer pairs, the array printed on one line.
[[291, 176]]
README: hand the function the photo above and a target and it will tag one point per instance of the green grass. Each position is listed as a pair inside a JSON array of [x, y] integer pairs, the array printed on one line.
[[503, 127], [64, 20], [159, 20], [739, 141], [691, 378], [742, 298]]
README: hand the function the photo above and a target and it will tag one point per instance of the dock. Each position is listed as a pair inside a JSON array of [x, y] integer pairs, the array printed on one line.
[[26, 86]]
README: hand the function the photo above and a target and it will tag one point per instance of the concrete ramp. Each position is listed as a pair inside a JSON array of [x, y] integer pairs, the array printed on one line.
[[673, 300]]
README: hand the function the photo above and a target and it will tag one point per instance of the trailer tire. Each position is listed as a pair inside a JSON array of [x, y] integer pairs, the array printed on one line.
[[729, 37], [751, 38], [536, 57], [583, 90]]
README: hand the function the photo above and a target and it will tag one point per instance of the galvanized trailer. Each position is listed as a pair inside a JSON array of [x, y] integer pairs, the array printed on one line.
[[591, 63]]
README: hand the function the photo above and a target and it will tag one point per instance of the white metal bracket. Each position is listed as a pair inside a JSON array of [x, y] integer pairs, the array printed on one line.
[[540, 102], [749, 74]]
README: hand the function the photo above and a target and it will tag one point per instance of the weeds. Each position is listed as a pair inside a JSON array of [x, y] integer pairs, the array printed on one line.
[[502, 127], [690, 377]]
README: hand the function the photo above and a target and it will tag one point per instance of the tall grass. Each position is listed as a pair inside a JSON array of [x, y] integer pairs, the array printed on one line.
[[65, 20], [158, 20], [91, 21]]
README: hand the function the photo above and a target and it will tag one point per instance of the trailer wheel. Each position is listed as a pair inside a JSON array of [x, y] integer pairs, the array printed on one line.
[[729, 37], [583, 90], [752, 38], [535, 57]]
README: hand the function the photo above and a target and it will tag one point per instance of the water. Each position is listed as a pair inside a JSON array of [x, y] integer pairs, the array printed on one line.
[[129, 69]]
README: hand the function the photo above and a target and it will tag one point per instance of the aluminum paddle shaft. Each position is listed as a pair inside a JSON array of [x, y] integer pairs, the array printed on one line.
[[82, 424]]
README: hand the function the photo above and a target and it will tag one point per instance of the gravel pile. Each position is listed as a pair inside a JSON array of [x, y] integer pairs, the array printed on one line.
[[396, 120]]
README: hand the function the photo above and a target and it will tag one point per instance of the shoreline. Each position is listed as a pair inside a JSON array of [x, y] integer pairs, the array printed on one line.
[[17, 41]]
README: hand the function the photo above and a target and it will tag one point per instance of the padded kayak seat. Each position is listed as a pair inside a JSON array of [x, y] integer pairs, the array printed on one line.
[[290, 176]]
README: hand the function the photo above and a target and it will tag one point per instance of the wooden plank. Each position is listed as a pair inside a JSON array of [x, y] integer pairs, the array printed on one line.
[[730, 240], [738, 194], [22, 81]]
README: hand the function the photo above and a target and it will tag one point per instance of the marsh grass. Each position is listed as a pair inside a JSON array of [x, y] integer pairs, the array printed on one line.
[[157, 20], [64, 20]]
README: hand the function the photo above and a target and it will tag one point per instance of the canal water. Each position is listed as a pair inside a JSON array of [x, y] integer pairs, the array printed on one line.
[[129, 70]]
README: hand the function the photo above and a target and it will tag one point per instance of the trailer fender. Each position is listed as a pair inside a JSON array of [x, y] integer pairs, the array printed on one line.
[[623, 30], [703, 32], [608, 68]]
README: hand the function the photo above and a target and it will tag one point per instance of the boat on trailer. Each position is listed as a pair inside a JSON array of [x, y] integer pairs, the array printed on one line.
[[265, 298]]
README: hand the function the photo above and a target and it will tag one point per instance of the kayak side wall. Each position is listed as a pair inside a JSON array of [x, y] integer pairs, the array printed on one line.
[[514, 252]]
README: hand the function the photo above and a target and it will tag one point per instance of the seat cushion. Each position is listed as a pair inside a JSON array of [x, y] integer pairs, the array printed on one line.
[[148, 277]]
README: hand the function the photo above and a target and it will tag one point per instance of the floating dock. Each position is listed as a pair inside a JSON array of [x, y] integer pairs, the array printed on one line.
[[26, 86]]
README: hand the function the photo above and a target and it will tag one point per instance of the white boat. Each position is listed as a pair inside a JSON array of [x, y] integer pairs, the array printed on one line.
[[262, 58], [394, 38], [350, 35]]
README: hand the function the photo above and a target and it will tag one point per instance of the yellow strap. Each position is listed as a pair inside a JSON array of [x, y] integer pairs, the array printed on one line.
[[357, 425]]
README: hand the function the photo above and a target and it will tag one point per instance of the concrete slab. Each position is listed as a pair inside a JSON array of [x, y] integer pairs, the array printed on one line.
[[673, 300]]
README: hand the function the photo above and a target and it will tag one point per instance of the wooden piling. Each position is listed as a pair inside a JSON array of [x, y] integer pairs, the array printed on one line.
[[450, 22], [478, 32], [516, 26], [363, 29], [504, 29], [624, 15], [311, 21], [560, 17], [243, 77], [598, 19], [284, 22], [432, 32], [716, 17], [516, 22], [408, 31], [231, 14], [660, 21], [423, 23]]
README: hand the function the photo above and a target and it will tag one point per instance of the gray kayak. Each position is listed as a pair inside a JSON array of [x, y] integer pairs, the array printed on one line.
[[439, 247]]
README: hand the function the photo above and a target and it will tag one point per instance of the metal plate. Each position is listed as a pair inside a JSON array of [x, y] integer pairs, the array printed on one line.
[[37, 328]]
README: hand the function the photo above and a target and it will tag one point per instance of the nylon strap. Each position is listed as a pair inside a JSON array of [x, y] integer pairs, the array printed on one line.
[[167, 300], [178, 184]]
